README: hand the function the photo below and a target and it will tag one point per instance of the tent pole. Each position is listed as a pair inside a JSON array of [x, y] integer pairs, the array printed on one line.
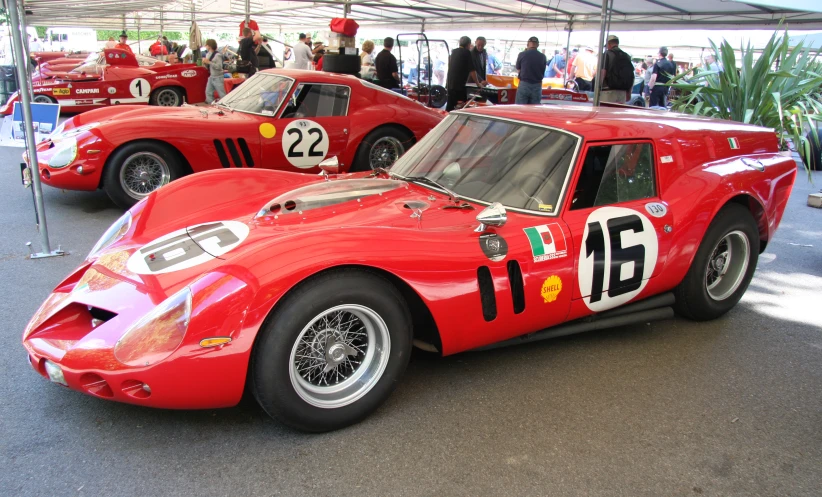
[[17, 29], [600, 55], [139, 49], [568, 48]]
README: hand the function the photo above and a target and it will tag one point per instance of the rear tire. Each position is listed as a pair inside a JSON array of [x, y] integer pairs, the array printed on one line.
[[167, 96], [332, 351], [723, 266], [138, 169], [43, 99], [381, 148]]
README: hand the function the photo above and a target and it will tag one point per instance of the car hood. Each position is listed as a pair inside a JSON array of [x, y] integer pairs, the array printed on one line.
[[216, 221]]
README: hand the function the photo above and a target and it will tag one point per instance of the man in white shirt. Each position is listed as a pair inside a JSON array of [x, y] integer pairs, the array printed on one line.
[[35, 46], [302, 54]]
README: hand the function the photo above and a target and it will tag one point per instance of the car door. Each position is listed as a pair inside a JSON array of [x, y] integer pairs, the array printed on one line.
[[313, 126], [618, 222]]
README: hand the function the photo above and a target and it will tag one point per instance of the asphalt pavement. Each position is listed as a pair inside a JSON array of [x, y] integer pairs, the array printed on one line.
[[674, 408]]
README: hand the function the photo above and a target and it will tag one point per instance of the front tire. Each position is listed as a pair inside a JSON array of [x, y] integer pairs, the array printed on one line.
[[381, 148], [43, 99], [723, 266], [138, 169], [332, 351], [167, 96]]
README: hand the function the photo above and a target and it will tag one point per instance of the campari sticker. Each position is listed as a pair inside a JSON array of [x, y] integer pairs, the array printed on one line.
[[547, 242]]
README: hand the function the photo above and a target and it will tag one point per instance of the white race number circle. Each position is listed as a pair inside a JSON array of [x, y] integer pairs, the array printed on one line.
[[305, 143], [187, 247], [618, 254], [139, 88]]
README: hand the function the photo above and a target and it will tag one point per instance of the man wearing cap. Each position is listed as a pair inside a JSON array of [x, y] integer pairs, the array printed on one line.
[[302, 54], [460, 71], [617, 63], [123, 45], [531, 66], [585, 65]]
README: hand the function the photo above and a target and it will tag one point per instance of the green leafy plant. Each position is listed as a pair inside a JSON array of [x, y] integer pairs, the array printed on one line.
[[779, 87]]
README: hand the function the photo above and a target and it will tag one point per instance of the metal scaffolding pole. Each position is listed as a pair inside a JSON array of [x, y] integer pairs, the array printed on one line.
[[601, 55], [17, 29], [568, 50]]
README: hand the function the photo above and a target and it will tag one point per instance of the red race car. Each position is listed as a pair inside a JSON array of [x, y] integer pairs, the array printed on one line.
[[92, 66], [121, 81], [278, 119], [502, 226]]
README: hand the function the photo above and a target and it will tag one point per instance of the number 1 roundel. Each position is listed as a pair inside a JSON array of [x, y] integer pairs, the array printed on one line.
[[617, 256], [305, 143]]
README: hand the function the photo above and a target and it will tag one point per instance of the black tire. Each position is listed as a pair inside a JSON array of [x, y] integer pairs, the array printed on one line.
[[437, 97], [271, 360], [693, 299], [167, 96], [388, 136], [137, 157], [637, 101], [815, 160], [43, 99]]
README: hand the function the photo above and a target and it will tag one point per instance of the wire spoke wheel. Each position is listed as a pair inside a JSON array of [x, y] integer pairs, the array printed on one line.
[[142, 173], [385, 152], [339, 356], [727, 265]]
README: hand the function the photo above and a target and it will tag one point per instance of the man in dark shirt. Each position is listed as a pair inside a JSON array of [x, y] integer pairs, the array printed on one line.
[[531, 66], [664, 69], [460, 69], [248, 51], [386, 66], [480, 57]]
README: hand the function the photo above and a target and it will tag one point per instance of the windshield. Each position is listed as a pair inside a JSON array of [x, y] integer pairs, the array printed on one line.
[[520, 165], [261, 94]]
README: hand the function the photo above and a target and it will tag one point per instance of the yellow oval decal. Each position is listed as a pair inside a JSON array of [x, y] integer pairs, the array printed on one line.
[[268, 130]]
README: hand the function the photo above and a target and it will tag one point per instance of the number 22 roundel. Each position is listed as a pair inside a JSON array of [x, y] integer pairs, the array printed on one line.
[[618, 254], [305, 143]]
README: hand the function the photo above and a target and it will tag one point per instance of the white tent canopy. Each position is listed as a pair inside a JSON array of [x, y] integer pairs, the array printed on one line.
[[293, 15]]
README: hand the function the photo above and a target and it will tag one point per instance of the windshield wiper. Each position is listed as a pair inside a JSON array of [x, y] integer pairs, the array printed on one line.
[[425, 179]]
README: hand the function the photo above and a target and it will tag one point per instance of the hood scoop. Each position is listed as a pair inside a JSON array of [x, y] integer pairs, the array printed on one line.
[[325, 194]]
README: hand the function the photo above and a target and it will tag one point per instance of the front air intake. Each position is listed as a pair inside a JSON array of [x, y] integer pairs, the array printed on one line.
[[486, 287]]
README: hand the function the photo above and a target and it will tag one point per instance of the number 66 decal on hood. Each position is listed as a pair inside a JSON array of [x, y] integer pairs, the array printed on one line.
[[618, 254]]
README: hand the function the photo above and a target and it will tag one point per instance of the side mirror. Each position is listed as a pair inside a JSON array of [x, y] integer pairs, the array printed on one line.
[[493, 215], [330, 166]]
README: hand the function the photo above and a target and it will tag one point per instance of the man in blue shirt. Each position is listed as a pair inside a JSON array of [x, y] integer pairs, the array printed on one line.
[[556, 66], [531, 65]]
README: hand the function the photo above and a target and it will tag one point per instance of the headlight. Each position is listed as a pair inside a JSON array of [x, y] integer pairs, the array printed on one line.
[[65, 154], [158, 333], [114, 233]]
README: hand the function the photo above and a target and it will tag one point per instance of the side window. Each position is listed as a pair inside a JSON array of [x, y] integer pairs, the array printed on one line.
[[615, 173], [318, 101]]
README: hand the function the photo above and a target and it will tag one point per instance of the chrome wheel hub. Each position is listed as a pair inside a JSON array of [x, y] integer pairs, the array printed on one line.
[[385, 152], [727, 265], [142, 173], [339, 356]]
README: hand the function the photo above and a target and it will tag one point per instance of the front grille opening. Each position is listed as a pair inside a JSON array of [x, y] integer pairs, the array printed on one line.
[[486, 286], [221, 153], [517, 287], [101, 314], [232, 149]]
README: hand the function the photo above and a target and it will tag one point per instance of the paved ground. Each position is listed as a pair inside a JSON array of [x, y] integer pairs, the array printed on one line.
[[731, 407]]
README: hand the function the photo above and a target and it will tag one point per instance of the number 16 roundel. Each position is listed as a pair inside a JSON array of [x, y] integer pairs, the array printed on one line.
[[618, 254]]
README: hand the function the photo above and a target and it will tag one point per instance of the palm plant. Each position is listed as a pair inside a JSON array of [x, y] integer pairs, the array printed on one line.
[[779, 89]]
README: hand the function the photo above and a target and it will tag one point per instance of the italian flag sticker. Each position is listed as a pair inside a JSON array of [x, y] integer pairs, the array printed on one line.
[[734, 143], [547, 242]]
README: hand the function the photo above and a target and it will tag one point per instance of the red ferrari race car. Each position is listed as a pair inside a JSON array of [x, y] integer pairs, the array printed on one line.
[[93, 65], [121, 81], [503, 225], [278, 119]]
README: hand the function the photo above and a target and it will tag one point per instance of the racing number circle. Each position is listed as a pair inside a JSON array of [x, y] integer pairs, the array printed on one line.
[[305, 143], [618, 254], [139, 88]]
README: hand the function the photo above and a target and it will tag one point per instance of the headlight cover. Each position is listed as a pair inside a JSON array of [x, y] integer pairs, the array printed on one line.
[[65, 154], [157, 334], [59, 135], [113, 234]]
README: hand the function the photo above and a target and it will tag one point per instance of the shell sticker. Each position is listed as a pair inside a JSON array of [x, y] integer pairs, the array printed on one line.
[[267, 130], [187, 247], [551, 288], [305, 143]]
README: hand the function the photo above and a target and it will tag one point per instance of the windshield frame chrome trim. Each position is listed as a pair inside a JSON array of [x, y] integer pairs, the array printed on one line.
[[277, 112], [560, 199]]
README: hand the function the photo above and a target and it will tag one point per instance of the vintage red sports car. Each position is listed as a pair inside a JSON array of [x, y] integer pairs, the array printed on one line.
[[503, 225], [122, 81], [92, 66], [278, 119]]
